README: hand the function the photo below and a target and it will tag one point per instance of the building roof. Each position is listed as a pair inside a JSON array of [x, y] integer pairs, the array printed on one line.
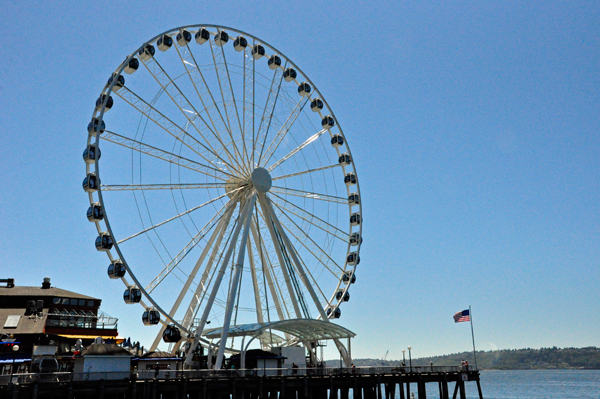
[[105, 350], [26, 324], [41, 292], [304, 329]]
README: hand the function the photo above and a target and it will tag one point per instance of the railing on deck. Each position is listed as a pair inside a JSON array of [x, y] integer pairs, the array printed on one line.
[[215, 374]]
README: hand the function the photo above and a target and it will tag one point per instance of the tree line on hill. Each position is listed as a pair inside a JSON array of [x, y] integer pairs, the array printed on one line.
[[507, 359]]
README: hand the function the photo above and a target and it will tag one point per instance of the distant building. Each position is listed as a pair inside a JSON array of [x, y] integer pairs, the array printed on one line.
[[49, 316]]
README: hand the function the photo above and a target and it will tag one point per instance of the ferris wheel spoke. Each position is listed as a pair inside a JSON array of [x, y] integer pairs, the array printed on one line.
[[177, 186], [335, 165], [248, 105], [138, 146], [190, 245], [305, 234], [295, 258], [178, 216], [255, 286], [220, 63], [201, 88], [181, 102], [308, 194], [311, 139], [269, 109], [313, 220], [278, 139], [168, 125]]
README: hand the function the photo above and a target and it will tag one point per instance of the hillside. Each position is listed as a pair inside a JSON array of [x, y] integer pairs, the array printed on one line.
[[511, 359]]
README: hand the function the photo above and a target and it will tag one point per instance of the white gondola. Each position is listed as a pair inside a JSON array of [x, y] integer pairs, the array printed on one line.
[[119, 81], [350, 179], [316, 105], [221, 38], [274, 62], [240, 43], [258, 51], [146, 52], [353, 258], [345, 159], [336, 314], [95, 212], [354, 199], [116, 269], [132, 66], [349, 277], [90, 183], [355, 219], [132, 294], [328, 122], [183, 38], [171, 334], [150, 317], [340, 296], [104, 241], [290, 75], [202, 36], [164, 42], [93, 126], [355, 239], [337, 140], [91, 153], [304, 89], [100, 102]]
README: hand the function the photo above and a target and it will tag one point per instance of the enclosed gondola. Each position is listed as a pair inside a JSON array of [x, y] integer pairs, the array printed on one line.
[[304, 89], [146, 52], [164, 42], [340, 296], [258, 51], [354, 199], [274, 62], [345, 159], [90, 183], [353, 258], [240, 43], [183, 38], [151, 316], [290, 75], [328, 122], [337, 313], [132, 294], [355, 219], [221, 38], [350, 179], [355, 239], [349, 277], [171, 334], [337, 140], [95, 212], [132, 65], [93, 126], [202, 36], [116, 269], [119, 81], [91, 153], [104, 241], [316, 105], [101, 100]]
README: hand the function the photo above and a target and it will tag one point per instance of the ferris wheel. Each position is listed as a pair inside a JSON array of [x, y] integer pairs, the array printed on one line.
[[222, 187]]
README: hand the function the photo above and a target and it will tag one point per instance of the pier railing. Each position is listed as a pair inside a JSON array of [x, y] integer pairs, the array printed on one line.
[[218, 374]]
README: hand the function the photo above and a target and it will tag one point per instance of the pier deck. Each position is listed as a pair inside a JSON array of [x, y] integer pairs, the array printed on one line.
[[328, 383]]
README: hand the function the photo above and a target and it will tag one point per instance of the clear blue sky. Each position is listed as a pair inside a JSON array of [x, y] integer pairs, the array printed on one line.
[[474, 128]]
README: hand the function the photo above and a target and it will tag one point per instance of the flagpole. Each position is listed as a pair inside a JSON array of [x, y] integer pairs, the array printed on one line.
[[473, 336]]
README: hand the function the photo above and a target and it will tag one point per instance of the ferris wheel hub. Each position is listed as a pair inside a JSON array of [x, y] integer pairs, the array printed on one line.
[[261, 180]]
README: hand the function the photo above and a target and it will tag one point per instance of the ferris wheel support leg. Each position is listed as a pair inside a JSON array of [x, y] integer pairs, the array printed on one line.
[[303, 276], [216, 286], [239, 266]]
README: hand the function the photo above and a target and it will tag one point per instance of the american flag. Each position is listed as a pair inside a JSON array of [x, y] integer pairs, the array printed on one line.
[[462, 316]]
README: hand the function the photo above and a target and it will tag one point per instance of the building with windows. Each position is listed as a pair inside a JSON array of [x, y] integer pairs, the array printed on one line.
[[48, 315]]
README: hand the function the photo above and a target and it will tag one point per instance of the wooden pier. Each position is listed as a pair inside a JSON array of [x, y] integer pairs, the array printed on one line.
[[361, 383]]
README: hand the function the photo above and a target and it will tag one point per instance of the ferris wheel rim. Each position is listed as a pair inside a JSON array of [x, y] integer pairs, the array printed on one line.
[[99, 114]]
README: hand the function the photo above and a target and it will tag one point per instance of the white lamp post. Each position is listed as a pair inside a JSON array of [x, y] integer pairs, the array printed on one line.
[[403, 357], [15, 349], [410, 357]]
